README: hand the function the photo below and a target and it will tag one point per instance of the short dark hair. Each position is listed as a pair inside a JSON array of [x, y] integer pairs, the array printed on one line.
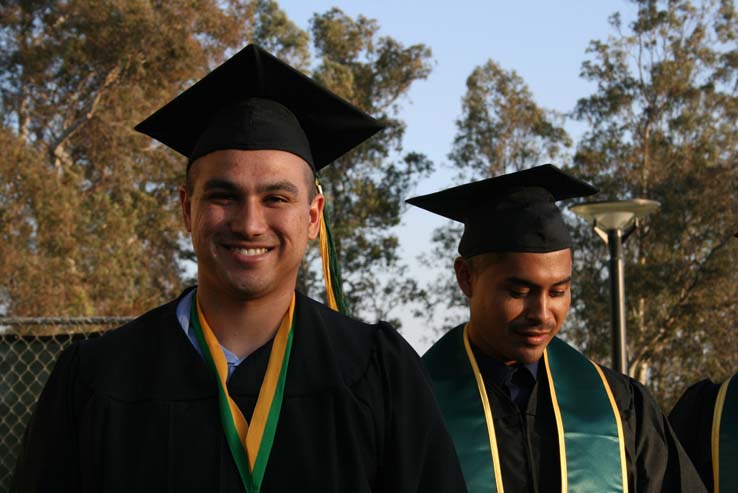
[[188, 177], [478, 263]]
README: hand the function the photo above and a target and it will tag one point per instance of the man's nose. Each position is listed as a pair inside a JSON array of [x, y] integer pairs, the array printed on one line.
[[538, 308], [249, 219]]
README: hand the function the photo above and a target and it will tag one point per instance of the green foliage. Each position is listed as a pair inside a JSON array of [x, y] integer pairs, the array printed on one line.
[[501, 129], [90, 220], [90, 217], [277, 34], [662, 125], [366, 188]]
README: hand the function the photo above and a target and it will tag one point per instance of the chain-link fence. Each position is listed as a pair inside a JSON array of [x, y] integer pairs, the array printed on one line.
[[28, 350]]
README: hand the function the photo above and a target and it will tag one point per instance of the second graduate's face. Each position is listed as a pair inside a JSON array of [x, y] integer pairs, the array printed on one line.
[[518, 301], [251, 215]]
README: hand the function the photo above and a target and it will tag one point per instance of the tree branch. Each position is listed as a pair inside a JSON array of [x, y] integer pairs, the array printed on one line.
[[652, 345], [56, 149]]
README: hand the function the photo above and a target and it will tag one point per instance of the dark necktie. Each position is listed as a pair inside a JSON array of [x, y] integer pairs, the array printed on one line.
[[522, 385]]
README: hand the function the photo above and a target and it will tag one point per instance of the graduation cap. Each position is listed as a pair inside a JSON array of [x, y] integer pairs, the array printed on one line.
[[254, 101], [515, 212]]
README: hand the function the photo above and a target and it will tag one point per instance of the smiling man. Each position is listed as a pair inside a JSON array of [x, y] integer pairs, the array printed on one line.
[[244, 384], [527, 412]]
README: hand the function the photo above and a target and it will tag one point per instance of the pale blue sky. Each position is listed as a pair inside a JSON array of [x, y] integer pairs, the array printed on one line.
[[545, 42]]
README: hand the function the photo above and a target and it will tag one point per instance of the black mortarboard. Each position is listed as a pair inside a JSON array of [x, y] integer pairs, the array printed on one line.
[[509, 213], [255, 101]]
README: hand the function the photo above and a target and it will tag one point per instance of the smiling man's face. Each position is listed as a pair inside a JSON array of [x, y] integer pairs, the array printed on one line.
[[251, 214], [518, 301]]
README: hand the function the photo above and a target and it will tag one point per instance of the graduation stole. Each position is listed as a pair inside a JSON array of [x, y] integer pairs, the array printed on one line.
[[590, 433], [725, 437], [250, 444]]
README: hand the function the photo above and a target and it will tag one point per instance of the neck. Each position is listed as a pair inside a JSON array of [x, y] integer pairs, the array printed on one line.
[[486, 348], [243, 326]]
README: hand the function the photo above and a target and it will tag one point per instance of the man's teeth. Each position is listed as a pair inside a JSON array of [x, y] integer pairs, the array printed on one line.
[[250, 251]]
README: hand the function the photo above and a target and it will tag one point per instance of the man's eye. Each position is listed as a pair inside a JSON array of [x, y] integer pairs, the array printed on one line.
[[276, 199], [558, 293], [518, 294], [219, 196]]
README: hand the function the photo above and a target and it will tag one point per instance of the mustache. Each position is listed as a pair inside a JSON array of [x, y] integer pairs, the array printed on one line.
[[232, 237], [532, 326]]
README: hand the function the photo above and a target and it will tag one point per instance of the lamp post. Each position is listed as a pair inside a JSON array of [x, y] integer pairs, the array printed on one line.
[[614, 222]]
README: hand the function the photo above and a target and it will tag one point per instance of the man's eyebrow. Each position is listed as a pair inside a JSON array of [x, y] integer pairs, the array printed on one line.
[[279, 186], [219, 183], [525, 282]]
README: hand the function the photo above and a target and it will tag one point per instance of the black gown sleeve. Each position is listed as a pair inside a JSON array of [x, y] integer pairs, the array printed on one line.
[[49, 456], [416, 450], [691, 419], [661, 462]]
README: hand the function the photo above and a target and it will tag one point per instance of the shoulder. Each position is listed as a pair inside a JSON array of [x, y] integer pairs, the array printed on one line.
[[349, 345], [694, 406], [702, 394], [130, 342], [634, 400], [135, 361], [452, 337], [346, 333], [446, 356], [625, 389]]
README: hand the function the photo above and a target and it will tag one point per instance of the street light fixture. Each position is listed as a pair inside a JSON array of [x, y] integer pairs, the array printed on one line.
[[614, 222]]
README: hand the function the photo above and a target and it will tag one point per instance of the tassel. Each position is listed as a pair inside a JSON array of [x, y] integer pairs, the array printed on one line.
[[331, 268]]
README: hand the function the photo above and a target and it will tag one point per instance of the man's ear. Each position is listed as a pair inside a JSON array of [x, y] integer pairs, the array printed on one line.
[[186, 204], [315, 215], [463, 276]]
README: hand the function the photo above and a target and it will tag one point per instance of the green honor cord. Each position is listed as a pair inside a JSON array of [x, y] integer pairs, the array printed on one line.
[[250, 445]]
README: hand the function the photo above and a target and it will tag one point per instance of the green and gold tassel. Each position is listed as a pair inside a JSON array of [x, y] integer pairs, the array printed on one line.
[[331, 268]]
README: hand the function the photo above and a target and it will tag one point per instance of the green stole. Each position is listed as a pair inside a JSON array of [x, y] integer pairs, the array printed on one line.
[[725, 437], [591, 443]]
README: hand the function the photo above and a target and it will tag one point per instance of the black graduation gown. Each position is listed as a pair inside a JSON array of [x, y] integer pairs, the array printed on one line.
[[136, 410], [529, 450], [691, 418]]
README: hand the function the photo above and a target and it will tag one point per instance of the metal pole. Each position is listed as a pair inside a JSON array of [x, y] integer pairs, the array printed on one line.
[[617, 300]]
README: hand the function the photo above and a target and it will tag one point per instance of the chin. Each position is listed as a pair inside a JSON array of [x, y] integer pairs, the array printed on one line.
[[249, 292], [528, 357]]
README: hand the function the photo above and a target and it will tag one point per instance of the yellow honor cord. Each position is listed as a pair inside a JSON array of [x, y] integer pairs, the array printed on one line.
[[251, 436], [618, 423], [221, 366], [325, 257], [559, 425], [715, 439], [487, 412]]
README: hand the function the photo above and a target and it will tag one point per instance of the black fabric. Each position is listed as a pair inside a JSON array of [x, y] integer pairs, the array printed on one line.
[[529, 450], [136, 410], [515, 212], [524, 220], [516, 380], [524, 382], [691, 418], [331, 125], [254, 124]]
